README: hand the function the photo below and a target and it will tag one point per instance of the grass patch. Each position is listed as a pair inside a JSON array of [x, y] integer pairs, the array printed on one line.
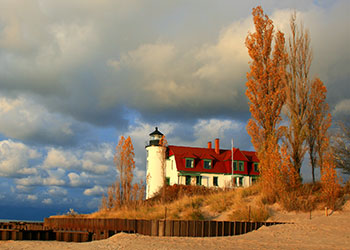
[[200, 203], [244, 212]]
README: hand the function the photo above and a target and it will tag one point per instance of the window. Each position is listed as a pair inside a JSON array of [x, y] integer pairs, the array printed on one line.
[[199, 180], [240, 181], [207, 164], [241, 165], [256, 167], [189, 163], [235, 165], [168, 181], [215, 181], [188, 180]]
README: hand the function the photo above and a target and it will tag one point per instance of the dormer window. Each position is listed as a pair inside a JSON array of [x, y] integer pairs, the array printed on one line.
[[256, 167], [241, 165], [207, 164], [235, 166], [189, 162]]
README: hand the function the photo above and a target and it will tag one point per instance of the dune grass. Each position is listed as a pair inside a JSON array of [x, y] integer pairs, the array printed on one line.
[[200, 203]]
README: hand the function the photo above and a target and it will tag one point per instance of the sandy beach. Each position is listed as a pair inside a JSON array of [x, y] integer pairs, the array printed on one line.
[[320, 232]]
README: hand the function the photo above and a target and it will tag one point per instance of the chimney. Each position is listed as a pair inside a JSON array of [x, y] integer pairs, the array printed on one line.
[[217, 146], [209, 144]]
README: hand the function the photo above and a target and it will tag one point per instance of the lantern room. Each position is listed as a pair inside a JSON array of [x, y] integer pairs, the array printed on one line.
[[155, 137]]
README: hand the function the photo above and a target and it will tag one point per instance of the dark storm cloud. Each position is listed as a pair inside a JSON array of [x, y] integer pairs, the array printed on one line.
[[88, 59]]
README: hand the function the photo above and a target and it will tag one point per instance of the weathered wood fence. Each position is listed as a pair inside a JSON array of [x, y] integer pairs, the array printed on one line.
[[83, 229], [25, 231]]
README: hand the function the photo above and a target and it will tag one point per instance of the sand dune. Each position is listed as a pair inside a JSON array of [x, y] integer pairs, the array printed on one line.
[[321, 232]]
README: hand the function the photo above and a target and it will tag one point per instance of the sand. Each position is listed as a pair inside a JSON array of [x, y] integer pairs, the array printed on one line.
[[321, 232]]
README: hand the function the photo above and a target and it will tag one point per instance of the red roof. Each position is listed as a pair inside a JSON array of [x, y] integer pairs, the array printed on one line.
[[221, 163], [251, 155]]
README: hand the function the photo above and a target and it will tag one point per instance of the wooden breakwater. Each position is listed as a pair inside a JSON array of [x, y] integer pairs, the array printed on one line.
[[25, 231], [85, 229]]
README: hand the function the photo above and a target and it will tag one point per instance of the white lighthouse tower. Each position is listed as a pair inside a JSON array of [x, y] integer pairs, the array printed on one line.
[[155, 160]]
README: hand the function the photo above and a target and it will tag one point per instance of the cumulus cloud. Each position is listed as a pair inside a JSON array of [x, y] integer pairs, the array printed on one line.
[[47, 201], [32, 197], [97, 159], [24, 189], [94, 191], [15, 158], [75, 180], [57, 191], [22, 118], [225, 130], [223, 61], [342, 109], [59, 158], [40, 181]]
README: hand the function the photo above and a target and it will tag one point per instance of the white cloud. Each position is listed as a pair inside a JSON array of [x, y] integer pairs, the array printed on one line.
[[224, 60], [98, 159], [47, 201], [52, 181], [90, 166], [15, 157], [24, 189], [29, 181], [150, 58], [342, 108], [57, 191], [57, 158], [95, 191], [39, 181], [74, 180], [21, 118], [32, 197], [79, 180], [214, 128]]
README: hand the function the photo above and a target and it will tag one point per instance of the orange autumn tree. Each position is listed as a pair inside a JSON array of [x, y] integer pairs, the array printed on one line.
[[124, 193], [318, 122], [266, 94], [329, 178], [125, 164]]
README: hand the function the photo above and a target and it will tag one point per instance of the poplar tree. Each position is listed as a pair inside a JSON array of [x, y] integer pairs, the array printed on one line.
[[297, 93], [318, 122], [125, 164], [266, 93]]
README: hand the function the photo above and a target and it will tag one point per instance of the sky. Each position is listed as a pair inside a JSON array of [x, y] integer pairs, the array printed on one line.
[[75, 75]]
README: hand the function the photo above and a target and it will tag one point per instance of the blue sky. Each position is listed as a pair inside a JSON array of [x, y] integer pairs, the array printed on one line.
[[76, 75]]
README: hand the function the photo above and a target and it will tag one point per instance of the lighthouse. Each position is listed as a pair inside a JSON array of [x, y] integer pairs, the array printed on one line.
[[155, 163]]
